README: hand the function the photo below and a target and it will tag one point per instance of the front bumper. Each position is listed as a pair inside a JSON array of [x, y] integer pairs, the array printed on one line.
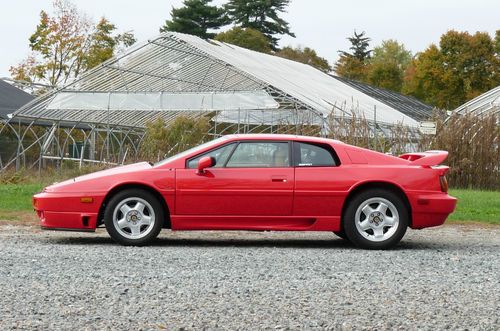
[[430, 209], [66, 211]]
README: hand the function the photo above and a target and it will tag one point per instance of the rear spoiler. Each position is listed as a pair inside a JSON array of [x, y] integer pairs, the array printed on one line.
[[426, 159]]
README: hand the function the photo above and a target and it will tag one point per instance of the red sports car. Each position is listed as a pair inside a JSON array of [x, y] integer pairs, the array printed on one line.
[[258, 182]]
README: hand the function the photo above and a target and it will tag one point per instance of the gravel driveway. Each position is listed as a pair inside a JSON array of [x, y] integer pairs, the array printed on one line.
[[447, 277]]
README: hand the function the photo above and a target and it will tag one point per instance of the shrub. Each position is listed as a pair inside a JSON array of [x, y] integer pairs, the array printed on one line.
[[161, 140]]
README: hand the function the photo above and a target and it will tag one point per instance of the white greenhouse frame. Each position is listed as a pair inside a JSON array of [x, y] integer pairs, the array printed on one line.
[[104, 111]]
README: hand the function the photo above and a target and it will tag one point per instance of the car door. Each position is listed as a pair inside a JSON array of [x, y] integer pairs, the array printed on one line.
[[250, 178], [319, 190]]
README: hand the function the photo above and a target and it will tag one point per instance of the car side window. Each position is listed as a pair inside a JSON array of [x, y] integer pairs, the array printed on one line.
[[311, 155], [219, 154], [260, 155]]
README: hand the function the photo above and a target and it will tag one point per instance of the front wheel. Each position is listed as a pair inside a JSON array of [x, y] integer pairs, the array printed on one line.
[[133, 217], [341, 234], [376, 219]]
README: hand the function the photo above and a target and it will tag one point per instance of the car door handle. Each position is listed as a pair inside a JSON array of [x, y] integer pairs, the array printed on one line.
[[278, 179]]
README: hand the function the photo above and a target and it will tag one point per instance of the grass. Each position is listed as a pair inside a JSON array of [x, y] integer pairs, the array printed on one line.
[[479, 206], [16, 198], [473, 205]]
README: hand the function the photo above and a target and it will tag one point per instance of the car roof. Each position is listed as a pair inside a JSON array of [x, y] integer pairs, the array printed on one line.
[[260, 136]]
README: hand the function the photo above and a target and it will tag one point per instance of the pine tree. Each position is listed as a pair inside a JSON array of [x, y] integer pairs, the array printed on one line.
[[260, 15], [355, 65], [196, 17], [359, 47]]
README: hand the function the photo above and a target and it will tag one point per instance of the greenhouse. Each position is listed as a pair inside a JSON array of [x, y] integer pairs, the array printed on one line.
[[101, 116], [485, 104]]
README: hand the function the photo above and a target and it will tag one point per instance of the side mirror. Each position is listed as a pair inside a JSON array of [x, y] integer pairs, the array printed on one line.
[[205, 162]]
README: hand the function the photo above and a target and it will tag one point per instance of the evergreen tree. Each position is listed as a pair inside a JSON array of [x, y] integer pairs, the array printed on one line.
[[260, 15], [359, 47], [355, 65], [196, 17]]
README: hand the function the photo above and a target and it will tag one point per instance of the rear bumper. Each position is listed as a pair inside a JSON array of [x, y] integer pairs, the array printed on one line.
[[66, 212], [430, 209]]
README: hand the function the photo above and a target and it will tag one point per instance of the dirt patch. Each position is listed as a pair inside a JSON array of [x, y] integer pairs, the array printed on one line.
[[22, 218]]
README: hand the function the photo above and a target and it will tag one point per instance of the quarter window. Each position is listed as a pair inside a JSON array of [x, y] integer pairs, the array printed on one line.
[[219, 154], [309, 155], [260, 155]]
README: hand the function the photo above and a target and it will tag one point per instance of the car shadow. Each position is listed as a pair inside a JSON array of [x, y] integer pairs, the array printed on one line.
[[276, 242], [200, 242]]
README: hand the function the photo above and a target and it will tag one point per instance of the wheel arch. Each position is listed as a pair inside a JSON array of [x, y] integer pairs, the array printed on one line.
[[360, 187], [126, 186]]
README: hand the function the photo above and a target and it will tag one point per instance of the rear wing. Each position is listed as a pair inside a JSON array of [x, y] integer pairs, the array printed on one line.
[[426, 159]]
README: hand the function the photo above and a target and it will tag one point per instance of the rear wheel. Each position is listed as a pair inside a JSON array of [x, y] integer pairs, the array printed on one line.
[[133, 217], [376, 219]]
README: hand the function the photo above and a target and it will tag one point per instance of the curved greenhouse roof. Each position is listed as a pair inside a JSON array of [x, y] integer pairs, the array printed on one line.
[[486, 103], [175, 74]]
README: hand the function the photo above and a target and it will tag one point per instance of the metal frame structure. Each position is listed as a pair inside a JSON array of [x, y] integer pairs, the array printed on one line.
[[176, 66], [485, 104]]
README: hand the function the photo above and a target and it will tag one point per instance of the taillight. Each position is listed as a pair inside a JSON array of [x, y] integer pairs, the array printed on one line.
[[444, 183]]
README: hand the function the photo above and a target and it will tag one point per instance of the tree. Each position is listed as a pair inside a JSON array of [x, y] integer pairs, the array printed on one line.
[[57, 46], [461, 68], [196, 18], [103, 44], [388, 64], [386, 75], [261, 15], [354, 65], [497, 42], [392, 51], [305, 55], [66, 44], [351, 68], [247, 38], [423, 78], [359, 47]]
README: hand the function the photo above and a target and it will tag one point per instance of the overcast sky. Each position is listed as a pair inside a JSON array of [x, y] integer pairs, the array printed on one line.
[[320, 24]]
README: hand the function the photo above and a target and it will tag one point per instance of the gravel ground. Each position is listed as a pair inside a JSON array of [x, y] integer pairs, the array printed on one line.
[[442, 278]]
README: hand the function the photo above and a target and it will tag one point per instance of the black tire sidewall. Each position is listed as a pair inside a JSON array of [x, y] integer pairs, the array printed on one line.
[[139, 193], [349, 224], [341, 234]]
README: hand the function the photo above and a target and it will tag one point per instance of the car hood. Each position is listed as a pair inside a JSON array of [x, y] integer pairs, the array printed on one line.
[[99, 175]]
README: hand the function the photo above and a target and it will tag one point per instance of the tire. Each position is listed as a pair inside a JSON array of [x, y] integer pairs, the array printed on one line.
[[341, 234], [133, 217], [376, 219]]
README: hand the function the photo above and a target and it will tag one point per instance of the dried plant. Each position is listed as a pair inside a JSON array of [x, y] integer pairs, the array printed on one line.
[[474, 146]]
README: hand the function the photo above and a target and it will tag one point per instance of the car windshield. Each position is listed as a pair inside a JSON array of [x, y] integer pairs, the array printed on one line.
[[189, 151]]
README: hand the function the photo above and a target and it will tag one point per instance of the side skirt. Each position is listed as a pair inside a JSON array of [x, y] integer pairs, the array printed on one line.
[[257, 223], [66, 229]]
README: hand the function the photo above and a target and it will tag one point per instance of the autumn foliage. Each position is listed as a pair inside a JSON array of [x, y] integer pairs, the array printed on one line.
[[66, 44]]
